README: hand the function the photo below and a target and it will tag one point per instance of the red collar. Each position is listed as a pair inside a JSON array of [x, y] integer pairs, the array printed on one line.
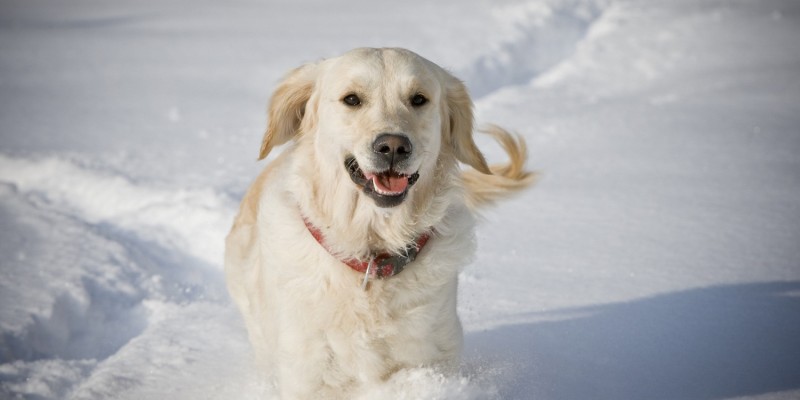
[[385, 264]]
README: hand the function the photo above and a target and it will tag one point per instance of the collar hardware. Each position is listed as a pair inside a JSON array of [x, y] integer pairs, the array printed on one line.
[[381, 265]]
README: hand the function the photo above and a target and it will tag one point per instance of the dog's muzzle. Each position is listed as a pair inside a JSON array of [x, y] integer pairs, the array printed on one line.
[[387, 186]]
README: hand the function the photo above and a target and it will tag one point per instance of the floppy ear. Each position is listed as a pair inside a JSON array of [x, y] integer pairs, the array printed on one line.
[[459, 109], [287, 107]]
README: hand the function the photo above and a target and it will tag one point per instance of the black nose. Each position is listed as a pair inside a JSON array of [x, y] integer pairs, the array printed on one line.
[[392, 148]]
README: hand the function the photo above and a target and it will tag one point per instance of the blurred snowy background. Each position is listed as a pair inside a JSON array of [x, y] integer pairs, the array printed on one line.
[[658, 258]]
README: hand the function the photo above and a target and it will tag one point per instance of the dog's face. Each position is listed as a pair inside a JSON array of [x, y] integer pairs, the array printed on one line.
[[379, 117], [386, 117]]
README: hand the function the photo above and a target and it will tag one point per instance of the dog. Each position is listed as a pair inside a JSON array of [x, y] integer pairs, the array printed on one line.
[[344, 257]]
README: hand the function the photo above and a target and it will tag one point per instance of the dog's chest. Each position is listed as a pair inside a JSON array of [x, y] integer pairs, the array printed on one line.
[[363, 331]]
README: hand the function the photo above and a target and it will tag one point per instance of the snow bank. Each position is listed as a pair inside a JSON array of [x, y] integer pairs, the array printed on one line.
[[189, 220]]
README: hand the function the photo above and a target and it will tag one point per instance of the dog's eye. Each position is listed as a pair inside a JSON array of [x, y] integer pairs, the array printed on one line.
[[418, 100], [351, 100]]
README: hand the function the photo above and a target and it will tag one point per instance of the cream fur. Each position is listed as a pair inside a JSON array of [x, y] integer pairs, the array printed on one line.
[[307, 316]]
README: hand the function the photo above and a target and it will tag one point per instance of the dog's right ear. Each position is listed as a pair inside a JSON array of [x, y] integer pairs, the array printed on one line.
[[288, 106]]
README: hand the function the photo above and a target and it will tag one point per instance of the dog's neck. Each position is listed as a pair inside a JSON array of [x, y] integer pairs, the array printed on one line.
[[381, 265]]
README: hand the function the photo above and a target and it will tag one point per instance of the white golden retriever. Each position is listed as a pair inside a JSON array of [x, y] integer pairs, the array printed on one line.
[[345, 255]]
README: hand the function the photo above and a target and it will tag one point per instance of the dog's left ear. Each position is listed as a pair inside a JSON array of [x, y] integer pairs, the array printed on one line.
[[288, 106], [459, 131]]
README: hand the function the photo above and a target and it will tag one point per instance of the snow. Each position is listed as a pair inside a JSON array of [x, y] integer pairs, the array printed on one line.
[[657, 258]]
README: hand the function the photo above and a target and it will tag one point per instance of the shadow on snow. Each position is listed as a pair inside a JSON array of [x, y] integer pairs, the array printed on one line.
[[710, 343]]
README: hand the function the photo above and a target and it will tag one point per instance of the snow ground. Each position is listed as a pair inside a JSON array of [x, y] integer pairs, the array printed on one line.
[[657, 259]]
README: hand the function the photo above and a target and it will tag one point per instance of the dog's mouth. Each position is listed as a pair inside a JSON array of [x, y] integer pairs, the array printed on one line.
[[388, 188]]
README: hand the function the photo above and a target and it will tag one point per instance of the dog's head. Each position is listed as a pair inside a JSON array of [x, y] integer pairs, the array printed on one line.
[[387, 117]]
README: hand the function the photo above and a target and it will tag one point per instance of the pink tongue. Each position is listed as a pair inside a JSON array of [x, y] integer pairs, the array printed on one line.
[[389, 183]]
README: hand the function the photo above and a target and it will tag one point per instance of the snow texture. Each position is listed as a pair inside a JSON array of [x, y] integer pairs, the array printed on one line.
[[658, 258]]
